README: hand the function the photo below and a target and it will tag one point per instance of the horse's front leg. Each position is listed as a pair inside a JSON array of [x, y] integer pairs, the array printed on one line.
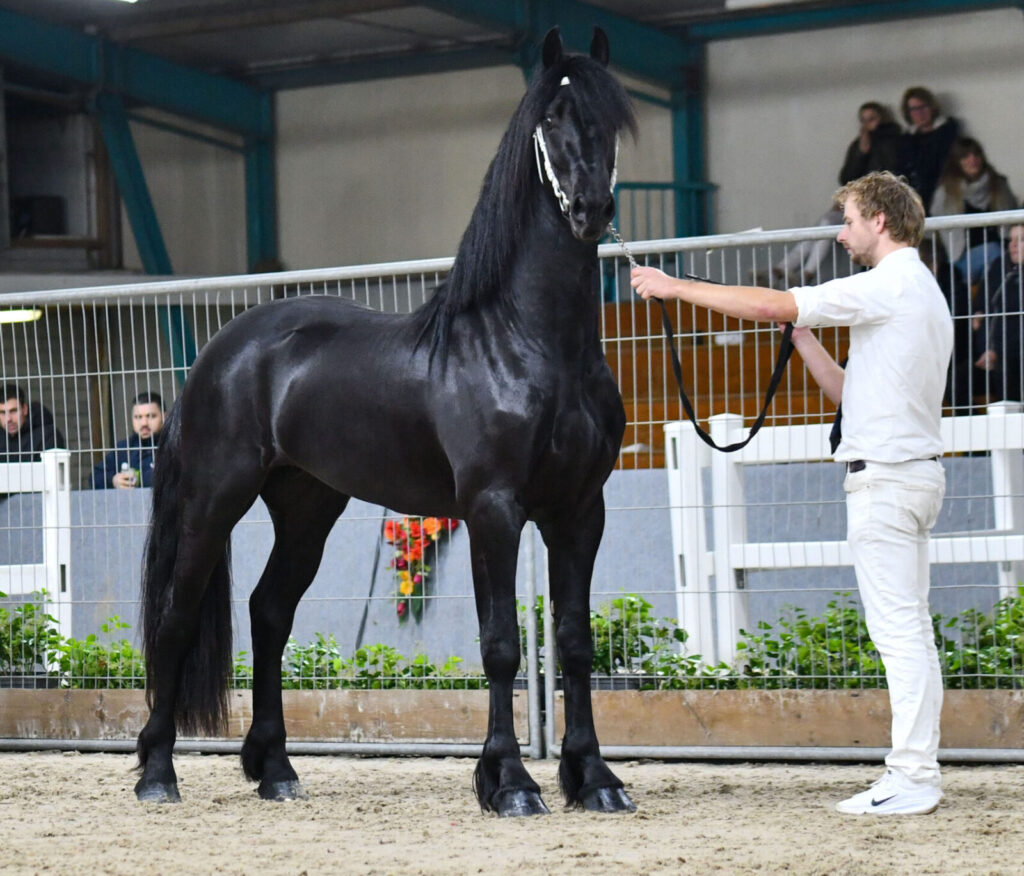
[[572, 543], [501, 781], [303, 511]]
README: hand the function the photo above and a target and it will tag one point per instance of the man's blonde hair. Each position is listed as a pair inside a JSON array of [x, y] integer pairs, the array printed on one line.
[[883, 192]]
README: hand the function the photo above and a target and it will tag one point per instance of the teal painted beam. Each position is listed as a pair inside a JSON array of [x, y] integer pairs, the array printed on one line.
[[638, 49], [387, 67], [124, 160], [764, 23], [131, 182], [138, 77], [261, 196]]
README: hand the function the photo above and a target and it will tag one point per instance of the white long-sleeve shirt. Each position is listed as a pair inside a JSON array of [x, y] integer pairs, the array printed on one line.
[[901, 339]]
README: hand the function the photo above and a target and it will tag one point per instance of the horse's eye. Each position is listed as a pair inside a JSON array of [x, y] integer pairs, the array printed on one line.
[[548, 123]]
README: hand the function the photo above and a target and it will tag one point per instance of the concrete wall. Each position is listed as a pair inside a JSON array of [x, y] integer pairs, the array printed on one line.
[[390, 170]]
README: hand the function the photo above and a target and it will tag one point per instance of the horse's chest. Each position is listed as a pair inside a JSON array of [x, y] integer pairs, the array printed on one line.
[[586, 430]]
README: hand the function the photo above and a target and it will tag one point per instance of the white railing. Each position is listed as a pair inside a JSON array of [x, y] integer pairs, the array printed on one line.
[[51, 478], [713, 608]]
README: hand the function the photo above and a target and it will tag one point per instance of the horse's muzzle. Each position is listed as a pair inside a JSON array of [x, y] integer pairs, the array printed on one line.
[[589, 218]]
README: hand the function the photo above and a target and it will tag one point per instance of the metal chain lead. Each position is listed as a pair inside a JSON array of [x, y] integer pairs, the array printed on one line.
[[614, 232]]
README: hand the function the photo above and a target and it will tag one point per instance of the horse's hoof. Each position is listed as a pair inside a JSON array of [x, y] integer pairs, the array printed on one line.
[[156, 792], [511, 804], [290, 789], [608, 800]]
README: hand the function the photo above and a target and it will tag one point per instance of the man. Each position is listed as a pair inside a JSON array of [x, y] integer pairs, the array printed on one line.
[[901, 337], [27, 430], [130, 463]]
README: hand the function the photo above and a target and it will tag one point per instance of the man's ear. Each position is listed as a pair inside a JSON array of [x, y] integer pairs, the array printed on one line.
[[878, 222]]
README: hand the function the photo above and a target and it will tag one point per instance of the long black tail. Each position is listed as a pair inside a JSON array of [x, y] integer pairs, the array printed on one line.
[[202, 694]]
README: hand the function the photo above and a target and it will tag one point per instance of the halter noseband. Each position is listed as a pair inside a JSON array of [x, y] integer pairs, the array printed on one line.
[[540, 152]]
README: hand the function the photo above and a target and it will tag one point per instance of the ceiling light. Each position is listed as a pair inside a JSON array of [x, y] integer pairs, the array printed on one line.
[[23, 314]]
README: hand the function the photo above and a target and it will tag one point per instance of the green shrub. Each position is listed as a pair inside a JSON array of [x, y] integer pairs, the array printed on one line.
[[29, 642], [833, 651], [976, 650], [91, 664]]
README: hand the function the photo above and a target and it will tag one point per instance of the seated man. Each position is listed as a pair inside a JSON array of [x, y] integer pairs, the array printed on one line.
[[130, 463], [27, 429]]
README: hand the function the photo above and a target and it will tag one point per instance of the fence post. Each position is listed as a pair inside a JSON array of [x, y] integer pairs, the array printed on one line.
[[1008, 498], [732, 608], [57, 535], [686, 457]]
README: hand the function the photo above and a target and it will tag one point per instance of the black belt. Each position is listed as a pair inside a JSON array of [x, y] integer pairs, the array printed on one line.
[[856, 465]]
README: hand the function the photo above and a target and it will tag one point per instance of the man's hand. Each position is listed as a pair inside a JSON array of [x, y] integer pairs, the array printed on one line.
[[123, 480], [652, 283], [987, 360]]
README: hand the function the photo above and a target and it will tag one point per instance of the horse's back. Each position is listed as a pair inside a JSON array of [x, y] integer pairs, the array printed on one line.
[[322, 384]]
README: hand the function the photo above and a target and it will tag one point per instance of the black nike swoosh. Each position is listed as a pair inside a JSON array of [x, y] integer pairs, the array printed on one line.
[[883, 800]]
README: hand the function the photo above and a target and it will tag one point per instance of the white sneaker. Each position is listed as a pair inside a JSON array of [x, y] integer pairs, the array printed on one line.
[[893, 794]]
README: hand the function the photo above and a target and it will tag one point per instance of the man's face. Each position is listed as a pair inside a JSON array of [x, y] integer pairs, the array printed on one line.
[[12, 415], [147, 419], [860, 236]]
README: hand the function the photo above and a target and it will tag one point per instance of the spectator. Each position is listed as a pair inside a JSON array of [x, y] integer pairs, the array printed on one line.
[[875, 147], [28, 429], [969, 184], [130, 463], [963, 379], [1001, 327], [924, 148]]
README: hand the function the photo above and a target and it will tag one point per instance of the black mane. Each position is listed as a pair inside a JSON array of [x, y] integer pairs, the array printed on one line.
[[495, 231]]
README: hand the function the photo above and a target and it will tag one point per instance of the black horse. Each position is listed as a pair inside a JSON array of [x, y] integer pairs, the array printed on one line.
[[309, 401]]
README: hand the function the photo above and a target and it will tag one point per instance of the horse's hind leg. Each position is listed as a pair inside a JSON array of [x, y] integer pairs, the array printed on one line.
[[303, 511], [501, 781], [188, 658], [572, 544]]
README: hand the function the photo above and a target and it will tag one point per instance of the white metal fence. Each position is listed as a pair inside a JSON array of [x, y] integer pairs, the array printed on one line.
[[661, 617]]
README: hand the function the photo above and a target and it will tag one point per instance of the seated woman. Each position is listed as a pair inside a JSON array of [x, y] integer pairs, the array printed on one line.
[[874, 148], [969, 184], [1001, 327]]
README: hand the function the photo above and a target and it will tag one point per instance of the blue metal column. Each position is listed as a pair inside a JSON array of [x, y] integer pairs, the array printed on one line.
[[693, 214], [124, 160], [261, 192]]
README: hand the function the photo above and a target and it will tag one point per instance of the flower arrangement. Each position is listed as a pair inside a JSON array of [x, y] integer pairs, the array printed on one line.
[[412, 538]]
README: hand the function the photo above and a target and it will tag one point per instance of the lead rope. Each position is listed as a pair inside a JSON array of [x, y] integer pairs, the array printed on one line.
[[785, 351]]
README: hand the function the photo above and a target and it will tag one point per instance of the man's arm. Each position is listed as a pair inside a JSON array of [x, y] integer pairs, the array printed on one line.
[[743, 302], [824, 369]]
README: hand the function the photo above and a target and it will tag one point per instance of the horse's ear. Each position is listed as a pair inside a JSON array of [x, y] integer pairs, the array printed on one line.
[[552, 52], [599, 47]]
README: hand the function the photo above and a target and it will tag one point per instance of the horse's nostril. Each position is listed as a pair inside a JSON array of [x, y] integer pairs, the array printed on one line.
[[579, 206], [609, 210]]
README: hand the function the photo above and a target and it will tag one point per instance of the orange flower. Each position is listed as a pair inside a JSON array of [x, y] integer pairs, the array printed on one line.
[[432, 525]]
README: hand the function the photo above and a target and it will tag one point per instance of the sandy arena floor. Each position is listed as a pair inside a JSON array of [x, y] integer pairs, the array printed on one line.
[[75, 813]]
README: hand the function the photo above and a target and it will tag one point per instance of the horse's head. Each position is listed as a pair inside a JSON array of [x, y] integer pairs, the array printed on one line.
[[577, 139]]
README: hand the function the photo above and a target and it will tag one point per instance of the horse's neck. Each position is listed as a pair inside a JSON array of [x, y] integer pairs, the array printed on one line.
[[555, 277]]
